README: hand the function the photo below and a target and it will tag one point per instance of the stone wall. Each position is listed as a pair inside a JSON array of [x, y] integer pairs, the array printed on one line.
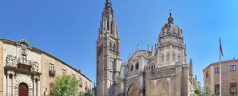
[[170, 80], [1, 69]]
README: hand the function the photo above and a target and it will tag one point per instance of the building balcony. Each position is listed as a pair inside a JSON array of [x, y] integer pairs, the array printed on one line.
[[24, 64], [21, 65], [52, 73]]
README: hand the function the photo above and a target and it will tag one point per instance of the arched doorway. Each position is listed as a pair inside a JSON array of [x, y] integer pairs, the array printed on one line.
[[133, 90], [23, 89]]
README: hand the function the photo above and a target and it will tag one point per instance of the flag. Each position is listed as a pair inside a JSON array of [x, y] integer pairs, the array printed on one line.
[[221, 52]]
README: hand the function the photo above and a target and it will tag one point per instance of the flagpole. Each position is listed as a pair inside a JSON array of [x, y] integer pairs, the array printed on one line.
[[220, 71], [220, 54]]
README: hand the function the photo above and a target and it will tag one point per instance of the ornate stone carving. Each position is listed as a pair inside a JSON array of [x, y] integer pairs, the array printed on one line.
[[162, 72], [11, 60], [35, 66]]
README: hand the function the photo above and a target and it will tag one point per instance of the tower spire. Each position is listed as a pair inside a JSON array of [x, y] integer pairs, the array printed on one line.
[[108, 6], [108, 1], [170, 19], [170, 14]]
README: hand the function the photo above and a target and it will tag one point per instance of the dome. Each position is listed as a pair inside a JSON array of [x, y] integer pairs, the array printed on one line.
[[170, 28]]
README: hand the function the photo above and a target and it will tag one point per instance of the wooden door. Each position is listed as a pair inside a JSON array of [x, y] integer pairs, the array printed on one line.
[[23, 90]]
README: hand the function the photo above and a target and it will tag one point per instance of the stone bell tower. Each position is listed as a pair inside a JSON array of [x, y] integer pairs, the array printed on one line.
[[108, 53]]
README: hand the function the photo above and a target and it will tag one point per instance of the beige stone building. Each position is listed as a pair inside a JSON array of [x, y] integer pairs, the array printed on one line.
[[29, 71], [159, 71], [229, 75]]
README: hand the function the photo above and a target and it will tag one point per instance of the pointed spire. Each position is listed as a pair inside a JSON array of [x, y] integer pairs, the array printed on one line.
[[108, 4], [170, 19], [191, 67], [108, 1]]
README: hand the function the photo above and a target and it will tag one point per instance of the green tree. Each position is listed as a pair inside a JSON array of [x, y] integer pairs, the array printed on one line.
[[206, 91], [87, 93], [202, 91], [198, 91], [65, 85]]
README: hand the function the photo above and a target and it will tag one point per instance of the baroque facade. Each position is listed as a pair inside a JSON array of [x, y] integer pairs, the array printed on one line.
[[29, 71], [160, 71], [229, 78]]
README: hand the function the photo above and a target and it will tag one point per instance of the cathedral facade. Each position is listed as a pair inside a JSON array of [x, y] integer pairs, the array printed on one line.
[[159, 71]]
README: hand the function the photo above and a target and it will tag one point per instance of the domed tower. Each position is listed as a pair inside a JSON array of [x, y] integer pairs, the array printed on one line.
[[171, 47]]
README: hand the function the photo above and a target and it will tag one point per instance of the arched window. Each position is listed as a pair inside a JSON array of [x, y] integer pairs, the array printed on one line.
[[168, 57], [114, 47], [137, 65], [131, 67], [108, 22]]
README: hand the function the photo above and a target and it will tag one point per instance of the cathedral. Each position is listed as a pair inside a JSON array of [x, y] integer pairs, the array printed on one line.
[[159, 71]]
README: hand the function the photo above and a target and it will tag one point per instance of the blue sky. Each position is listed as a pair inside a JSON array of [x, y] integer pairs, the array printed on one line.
[[68, 29]]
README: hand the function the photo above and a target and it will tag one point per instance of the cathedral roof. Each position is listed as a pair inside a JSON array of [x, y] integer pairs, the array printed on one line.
[[170, 28]]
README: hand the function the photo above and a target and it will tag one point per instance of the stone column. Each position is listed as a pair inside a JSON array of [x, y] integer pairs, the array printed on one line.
[[13, 80], [37, 88], [33, 85], [7, 84], [10, 85]]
